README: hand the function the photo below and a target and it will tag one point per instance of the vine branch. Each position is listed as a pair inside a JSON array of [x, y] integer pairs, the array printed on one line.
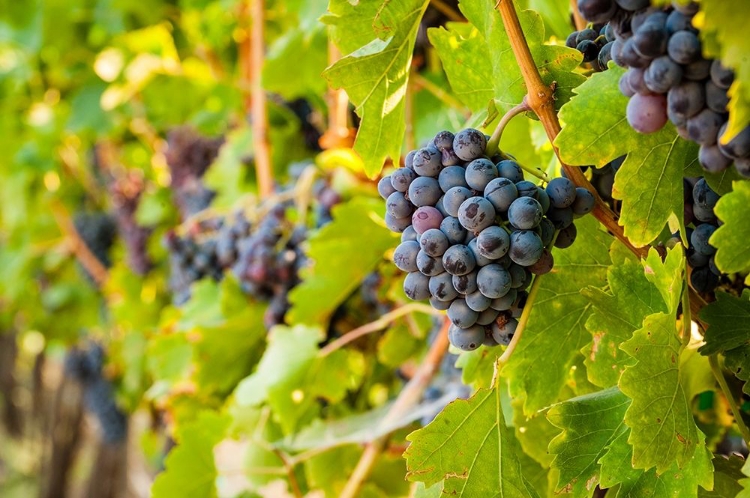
[[258, 110], [82, 252], [494, 142], [578, 19], [407, 398]]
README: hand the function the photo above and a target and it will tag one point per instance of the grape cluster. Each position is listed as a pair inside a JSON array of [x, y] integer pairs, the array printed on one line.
[[98, 231], [669, 79], [85, 366], [700, 223], [473, 232], [188, 156], [265, 254], [595, 44]]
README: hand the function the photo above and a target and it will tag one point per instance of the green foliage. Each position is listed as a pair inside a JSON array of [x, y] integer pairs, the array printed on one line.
[[469, 447], [376, 74], [728, 320], [730, 240], [556, 329]]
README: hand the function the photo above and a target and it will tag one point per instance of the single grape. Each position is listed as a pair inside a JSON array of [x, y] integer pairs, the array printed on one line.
[[597, 11], [712, 159], [743, 166], [624, 85], [479, 173], [685, 100], [409, 234], [589, 49], [524, 213], [694, 258], [699, 239], [461, 315], [566, 237], [476, 214], [478, 257], [453, 199], [398, 206], [716, 98], [444, 140], [429, 265], [453, 230], [525, 247], [544, 265], [425, 218], [703, 214], [493, 242], [721, 76], [650, 40], [424, 191], [427, 161], [501, 192], [397, 224], [449, 158], [684, 47], [560, 218], [439, 305], [703, 195], [434, 242], [465, 284], [441, 287], [504, 330], [584, 202], [677, 21], [493, 281], [452, 176], [477, 301], [737, 147], [402, 178], [487, 316], [543, 198], [417, 286], [526, 189], [586, 34], [504, 303], [546, 231], [662, 74], [405, 256], [511, 170], [385, 188], [632, 5], [703, 128], [605, 55], [698, 70], [561, 192], [459, 260], [469, 144], [467, 339], [647, 113]]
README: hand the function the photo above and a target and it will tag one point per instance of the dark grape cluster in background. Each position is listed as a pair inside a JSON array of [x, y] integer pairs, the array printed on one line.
[[474, 232], [98, 231], [668, 77], [265, 253], [85, 366]]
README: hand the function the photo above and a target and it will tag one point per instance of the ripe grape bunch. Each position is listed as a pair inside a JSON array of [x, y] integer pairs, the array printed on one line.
[[669, 79], [473, 232], [85, 365]]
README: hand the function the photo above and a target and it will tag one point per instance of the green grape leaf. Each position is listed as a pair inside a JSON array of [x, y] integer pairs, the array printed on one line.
[[190, 468], [469, 447], [534, 433], [730, 240], [728, 320], [461, 49], [343, 253], [590, 424], [721, 23], [745, 482], [477, 367], [295, 348], [375, 78], [616, 466], [434, 491], [685, 482], [555, 333], [649, 183], [727, 476], [660, 417], [470, 75], [667, 276], [617, 314], [738, 360]]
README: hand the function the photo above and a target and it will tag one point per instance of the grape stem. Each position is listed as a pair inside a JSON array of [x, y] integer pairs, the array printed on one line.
[[252, 52], [505, 357], [541, 99], [377, 325], [716, 369], [93, 266], [407, 398], [493, 143]]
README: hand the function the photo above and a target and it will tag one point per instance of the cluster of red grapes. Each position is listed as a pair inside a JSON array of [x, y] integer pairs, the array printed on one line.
[[473, 232], [669, 79]]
